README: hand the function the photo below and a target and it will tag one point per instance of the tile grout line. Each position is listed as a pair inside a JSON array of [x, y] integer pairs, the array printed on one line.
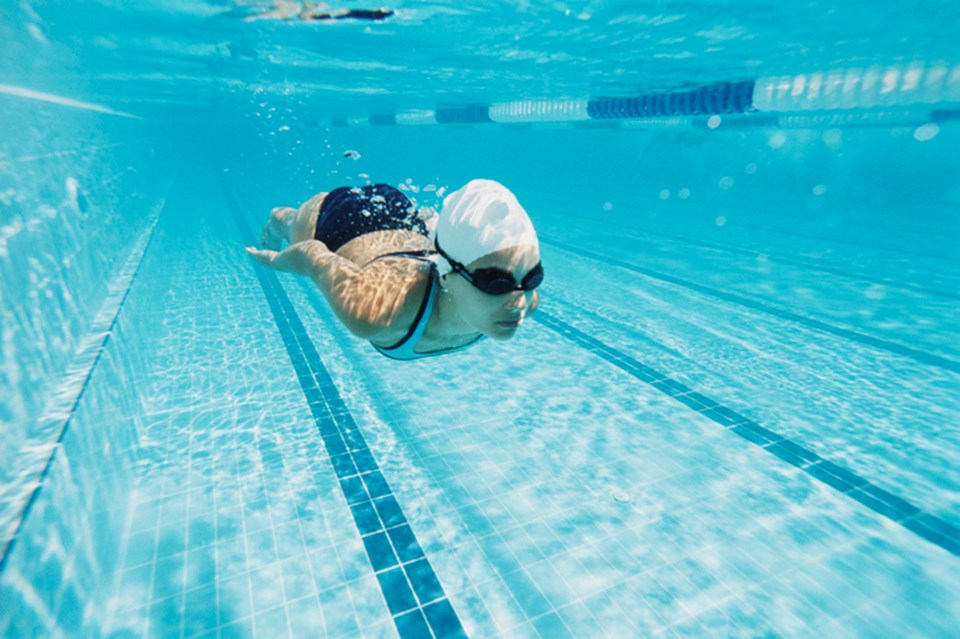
[[811, 264], [927, 526], [345, 444], [923, 357]]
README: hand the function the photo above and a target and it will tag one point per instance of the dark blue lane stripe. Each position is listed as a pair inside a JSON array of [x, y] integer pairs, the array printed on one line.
[[414, 595], [927, 526], [892, 347]]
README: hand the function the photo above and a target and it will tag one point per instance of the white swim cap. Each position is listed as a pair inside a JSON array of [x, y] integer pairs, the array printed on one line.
[[478, 219]]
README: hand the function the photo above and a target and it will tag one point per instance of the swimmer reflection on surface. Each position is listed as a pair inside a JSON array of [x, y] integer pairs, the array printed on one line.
[[410, 291], [288, 10]]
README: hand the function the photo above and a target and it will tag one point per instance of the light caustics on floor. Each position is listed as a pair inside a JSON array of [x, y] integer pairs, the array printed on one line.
[[414, 586], [420, 593], [410, 587], [363, 486]]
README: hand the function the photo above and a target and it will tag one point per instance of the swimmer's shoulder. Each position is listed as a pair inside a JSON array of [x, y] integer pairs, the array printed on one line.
[[403, 285]]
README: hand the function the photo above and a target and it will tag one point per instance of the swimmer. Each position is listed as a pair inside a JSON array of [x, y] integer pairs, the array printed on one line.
[[288, 10], [410, 291]]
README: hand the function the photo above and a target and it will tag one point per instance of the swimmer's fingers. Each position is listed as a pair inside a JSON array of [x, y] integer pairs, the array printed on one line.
[[265, 257]]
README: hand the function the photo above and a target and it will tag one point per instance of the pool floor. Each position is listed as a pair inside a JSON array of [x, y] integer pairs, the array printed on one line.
[[589, 478]]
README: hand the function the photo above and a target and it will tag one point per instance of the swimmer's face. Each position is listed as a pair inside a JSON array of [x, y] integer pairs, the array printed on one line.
[[496, 316]]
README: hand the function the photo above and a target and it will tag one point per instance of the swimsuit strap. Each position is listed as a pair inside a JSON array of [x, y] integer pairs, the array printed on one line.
[[404, 348], [423, 315], [417, 255]]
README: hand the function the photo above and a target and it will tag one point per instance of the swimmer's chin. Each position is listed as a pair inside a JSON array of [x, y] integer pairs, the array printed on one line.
[[502, 332]]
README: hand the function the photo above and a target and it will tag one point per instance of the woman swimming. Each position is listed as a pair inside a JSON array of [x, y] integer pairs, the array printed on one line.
[[409, 291]]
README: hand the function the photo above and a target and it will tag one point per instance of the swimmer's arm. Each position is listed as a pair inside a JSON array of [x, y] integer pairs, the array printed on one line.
[[301, 258], [359, 296]]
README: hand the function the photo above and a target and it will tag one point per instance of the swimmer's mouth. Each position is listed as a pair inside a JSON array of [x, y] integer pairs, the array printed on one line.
[[513, 323]]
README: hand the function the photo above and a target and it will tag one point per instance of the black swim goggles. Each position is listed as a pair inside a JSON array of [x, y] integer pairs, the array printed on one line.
[[496, 281]]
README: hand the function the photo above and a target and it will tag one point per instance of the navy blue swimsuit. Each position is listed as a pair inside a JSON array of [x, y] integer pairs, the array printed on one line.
[[349, 212], [352, 211]]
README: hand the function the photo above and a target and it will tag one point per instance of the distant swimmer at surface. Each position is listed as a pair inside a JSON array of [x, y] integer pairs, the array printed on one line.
[[288, 10], [410, 291]]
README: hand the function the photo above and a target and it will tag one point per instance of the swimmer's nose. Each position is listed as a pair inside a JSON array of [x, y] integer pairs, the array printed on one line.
[[518, 301]]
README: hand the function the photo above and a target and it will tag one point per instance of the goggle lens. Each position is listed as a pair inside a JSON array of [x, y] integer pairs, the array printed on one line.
[[496, 281]]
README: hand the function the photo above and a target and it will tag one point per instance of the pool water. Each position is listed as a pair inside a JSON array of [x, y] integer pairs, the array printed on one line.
[[735, 413]]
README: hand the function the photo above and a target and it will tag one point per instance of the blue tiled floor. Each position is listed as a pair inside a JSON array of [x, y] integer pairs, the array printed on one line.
[[292, 482]]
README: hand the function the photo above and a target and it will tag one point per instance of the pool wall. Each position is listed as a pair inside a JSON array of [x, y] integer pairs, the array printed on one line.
[[78, 191]]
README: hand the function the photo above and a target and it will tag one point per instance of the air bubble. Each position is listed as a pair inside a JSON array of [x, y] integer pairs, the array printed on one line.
[[720, 221], [664, 194], [926, 132]]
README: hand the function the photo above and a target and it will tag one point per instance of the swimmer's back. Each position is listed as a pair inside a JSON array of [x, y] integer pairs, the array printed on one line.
[[370, 246], [395, 285], [364, 248]]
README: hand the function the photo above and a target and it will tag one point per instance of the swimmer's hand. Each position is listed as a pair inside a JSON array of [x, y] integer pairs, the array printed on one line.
[[300, 258], [265, 257]]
